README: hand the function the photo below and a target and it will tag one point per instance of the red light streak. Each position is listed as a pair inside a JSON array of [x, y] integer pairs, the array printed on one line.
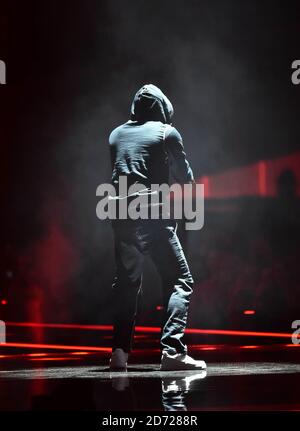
[[37, 354], [66, 358], [154, 329], [249, 347], [57, 346], [61, 326], [207, 348]]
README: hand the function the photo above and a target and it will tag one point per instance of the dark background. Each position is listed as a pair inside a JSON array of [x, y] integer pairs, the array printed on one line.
[[72, 70]]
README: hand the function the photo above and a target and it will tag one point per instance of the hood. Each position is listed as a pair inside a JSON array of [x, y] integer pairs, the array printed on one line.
[[150, 104]]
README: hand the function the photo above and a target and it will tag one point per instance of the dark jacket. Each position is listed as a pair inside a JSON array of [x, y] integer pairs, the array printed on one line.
[[147, 147]]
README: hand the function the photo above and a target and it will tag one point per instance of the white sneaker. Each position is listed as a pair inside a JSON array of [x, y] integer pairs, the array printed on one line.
[[180, 361], [118, 360]]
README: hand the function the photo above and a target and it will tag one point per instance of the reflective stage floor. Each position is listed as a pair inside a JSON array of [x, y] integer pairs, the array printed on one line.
[[245, 377]]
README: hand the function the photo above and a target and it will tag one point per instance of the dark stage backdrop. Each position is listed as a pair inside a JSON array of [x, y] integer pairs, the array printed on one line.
[[72, 69]]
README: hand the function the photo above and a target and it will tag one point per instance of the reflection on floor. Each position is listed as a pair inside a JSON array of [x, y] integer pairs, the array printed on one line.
[[238, 378]]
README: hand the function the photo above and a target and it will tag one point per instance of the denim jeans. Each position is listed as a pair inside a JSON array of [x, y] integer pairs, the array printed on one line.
[[158, 239]]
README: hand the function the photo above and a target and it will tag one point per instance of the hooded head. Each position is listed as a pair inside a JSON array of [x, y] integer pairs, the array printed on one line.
[[150, 104]]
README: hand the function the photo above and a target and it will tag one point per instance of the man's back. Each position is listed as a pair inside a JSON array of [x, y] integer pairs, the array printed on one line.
[[138, 152]]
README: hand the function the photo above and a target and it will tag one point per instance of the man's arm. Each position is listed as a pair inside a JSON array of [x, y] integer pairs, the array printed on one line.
[[180, 167]]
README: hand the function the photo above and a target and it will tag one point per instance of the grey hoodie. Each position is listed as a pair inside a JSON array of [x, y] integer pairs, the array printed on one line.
[[146, 148]]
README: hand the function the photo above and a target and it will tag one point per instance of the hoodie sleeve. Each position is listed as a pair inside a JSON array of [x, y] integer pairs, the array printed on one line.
[[179, 166]]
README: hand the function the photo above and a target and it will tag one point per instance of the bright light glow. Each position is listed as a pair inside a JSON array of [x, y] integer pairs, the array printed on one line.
[[249, 312]]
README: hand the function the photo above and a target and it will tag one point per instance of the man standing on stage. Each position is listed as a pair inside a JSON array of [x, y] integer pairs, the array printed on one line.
[[145, 150]]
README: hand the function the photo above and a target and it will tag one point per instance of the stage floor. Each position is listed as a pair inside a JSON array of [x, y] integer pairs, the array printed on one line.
[[245, 378]]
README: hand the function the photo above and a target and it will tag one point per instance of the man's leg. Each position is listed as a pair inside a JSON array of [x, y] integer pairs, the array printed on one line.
[[126, 289], [177, 286]]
